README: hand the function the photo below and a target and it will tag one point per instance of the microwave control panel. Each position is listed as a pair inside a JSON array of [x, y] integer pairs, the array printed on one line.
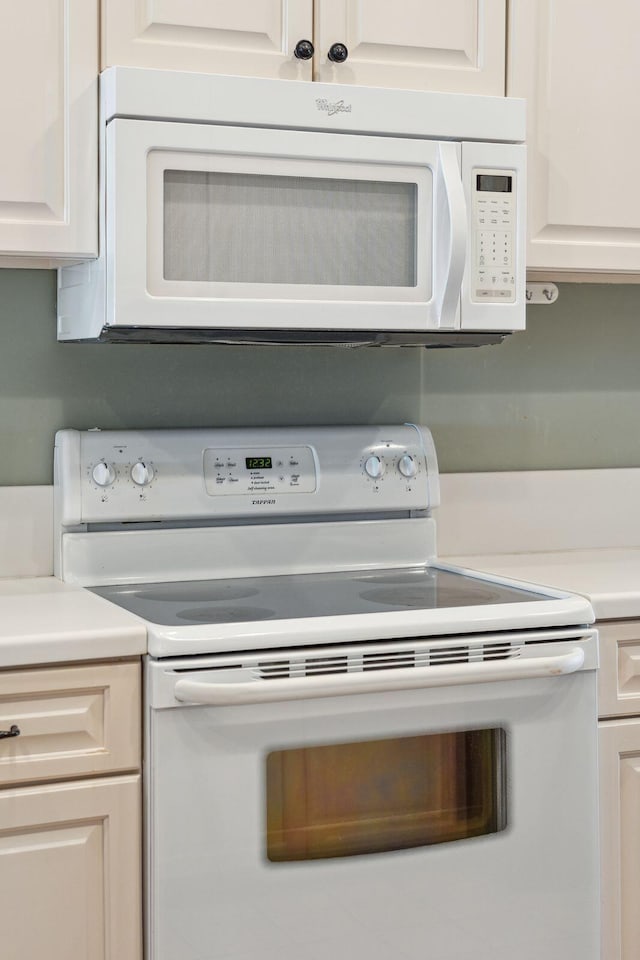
[[493, 235]]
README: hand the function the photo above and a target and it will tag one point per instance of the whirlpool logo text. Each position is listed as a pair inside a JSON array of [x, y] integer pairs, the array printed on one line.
[[337, 106]]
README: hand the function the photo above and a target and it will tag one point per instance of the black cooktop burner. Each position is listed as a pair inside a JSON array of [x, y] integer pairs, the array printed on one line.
[[307, 595]]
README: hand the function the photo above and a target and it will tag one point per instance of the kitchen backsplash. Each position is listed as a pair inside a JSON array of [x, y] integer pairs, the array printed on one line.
[[564, 394], [480, 512]]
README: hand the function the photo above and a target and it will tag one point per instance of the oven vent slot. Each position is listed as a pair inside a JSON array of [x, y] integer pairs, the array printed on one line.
[[424, 656]]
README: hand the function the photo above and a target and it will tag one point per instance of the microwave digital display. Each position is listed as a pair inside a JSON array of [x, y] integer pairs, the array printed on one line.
[[493, 183], [258, 463]]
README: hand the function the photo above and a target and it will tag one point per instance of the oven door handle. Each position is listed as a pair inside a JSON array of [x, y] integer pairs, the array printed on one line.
[[223, 694]]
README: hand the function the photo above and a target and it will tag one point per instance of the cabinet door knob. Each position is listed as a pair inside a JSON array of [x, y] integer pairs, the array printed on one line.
[[13, 731], [304, 50], [338, 53]]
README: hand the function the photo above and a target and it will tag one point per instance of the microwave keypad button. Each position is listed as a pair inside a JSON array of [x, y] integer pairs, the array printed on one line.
[[495, 249], [507, 249], [499, 294]]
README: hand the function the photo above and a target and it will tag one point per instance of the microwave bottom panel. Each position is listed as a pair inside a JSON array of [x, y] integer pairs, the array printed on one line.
[[345, 338]]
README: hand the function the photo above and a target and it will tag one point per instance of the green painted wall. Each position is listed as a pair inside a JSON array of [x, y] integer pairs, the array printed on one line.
[[564, 394], [45, 385]]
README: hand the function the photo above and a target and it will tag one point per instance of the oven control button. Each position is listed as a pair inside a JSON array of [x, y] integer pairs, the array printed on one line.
[[407, 466], [374, 467], [142, 473], [103, 474]]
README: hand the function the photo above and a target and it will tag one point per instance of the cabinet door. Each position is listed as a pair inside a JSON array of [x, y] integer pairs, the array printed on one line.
[[48, 105], [70, 871], [619, 759], [578, 67], [458, 46], [247, 37]]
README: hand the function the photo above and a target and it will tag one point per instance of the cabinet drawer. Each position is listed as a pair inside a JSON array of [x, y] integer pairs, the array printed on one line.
[[619, 677], [73, 721]]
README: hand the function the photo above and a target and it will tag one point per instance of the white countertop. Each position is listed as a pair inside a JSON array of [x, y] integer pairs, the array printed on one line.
[[609, 578], [43, 620]]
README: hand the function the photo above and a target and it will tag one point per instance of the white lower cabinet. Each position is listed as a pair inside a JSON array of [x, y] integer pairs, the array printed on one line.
[[619, 756], [70, 850], [69, 871]]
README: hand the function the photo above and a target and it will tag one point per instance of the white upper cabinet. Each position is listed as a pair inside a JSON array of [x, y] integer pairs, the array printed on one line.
[[420, 44], [48, 105], [243, 37], [455, 47], [577, 65]]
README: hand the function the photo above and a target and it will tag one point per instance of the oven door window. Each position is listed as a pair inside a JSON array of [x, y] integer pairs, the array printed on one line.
[[341, 800]]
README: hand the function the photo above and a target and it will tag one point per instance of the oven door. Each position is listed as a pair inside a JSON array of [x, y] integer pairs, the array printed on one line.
[[230, 227], [452, 819]]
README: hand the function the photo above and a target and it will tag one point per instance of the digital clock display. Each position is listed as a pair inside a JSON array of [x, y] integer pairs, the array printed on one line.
[[494, 183], [258, 463]]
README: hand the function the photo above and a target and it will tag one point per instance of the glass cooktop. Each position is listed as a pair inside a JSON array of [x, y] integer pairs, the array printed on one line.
[[298, 596]]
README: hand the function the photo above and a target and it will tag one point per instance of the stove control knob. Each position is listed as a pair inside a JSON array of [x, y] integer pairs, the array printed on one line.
[[103, 474], [142, 473], [374, 467], [407, 466]]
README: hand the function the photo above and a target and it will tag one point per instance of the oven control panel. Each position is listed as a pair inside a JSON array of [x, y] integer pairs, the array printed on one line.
[[245, 470], [134, 476]]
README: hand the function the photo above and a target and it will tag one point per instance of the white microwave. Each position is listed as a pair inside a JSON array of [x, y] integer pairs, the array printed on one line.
[[242, 209]]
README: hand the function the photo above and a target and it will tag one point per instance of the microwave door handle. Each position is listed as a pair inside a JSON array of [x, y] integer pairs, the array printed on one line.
[[450, 234], [379, 681]]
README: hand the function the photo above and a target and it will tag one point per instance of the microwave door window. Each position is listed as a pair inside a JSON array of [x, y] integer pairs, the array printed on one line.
[[251, 228]]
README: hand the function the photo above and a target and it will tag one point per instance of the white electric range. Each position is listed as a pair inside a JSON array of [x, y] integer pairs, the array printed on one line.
[[352, 750]]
